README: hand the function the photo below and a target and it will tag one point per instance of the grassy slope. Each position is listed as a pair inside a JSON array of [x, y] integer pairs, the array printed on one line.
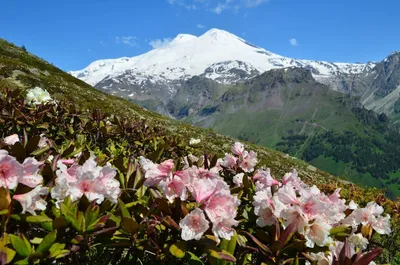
[[19, 69], [24, 70], [264, 116]]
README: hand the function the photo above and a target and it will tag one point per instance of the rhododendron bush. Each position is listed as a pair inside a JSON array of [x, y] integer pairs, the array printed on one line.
[[82, 199]]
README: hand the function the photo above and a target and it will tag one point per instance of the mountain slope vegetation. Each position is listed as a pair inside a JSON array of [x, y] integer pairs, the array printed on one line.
[[288, 110], [107, 122]]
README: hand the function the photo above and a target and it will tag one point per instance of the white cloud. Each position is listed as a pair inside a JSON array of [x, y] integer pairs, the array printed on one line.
[[128, 40], [221, 7], [186, 4], [217, 6], [200, 26], [293, 42], [253, 3], [160, 43]]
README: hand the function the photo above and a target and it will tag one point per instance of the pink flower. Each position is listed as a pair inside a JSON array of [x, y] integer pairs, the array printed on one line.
[[69, 174], [208, 173], [265, 217], [32, 200], [229, 161], [294, 214], [263, 179], [91, 180], [238, 179], [237, 148], [31, 178], [287, 195], [249, 161], [317, 233], [320, 258], [188, 176], [175, 188], [294, 179], [156, 173], [223, 229], [194, 225], [267, 207], [222, 205], [382, 225], [10, 171], [312, 207], [203, 189], [110, 185], [11, 140]]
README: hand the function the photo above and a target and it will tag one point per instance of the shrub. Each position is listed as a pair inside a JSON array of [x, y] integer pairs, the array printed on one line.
[[83, 188]]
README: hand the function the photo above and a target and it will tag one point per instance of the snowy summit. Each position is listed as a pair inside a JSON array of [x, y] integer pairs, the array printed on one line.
[[212, 54]]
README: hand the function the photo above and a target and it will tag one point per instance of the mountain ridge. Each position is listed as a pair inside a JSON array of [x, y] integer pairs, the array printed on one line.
[[193, 55]]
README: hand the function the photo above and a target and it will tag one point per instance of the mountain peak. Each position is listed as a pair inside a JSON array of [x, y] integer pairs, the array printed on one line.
[[218, 34], [181, 38]]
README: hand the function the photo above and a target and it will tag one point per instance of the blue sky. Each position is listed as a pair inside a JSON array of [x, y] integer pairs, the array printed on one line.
[[73, 33]]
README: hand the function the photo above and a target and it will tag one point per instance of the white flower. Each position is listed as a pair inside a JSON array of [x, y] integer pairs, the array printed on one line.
[[249, 161], [12, 139], [317, 233], [31, 178], [37, 96], [238, 148], [32, 200], [352, 205], [50, 158], [359, 241], [43, 141], [194, 141], [194, 225], [238, 179], [382, 225]]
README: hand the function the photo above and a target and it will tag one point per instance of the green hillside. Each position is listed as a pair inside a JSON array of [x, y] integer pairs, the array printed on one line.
[[19, 69], [115, 127], [288, 110]]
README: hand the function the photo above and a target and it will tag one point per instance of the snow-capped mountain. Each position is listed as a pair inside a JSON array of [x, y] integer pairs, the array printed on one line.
[[217, 54]]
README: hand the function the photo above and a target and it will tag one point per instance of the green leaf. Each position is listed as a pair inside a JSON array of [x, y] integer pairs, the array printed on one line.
[[124, 209], [36, 240], [3, 212], [91, 214], [47, 242], [178, 249], [193, 259], [21, 245], [6, 254], [220, 254], [78, 221], [129, 225], [343, 229], [56, 249], [22, 262], [38, 219]]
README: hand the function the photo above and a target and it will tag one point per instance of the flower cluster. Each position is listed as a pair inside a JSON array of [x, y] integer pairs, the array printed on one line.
[[12, 173], [241, 159], [95, 182], [313, 213], [205, 188], [37, 96]]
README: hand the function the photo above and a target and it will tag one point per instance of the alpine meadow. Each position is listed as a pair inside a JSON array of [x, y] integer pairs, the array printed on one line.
[[217, 132]]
